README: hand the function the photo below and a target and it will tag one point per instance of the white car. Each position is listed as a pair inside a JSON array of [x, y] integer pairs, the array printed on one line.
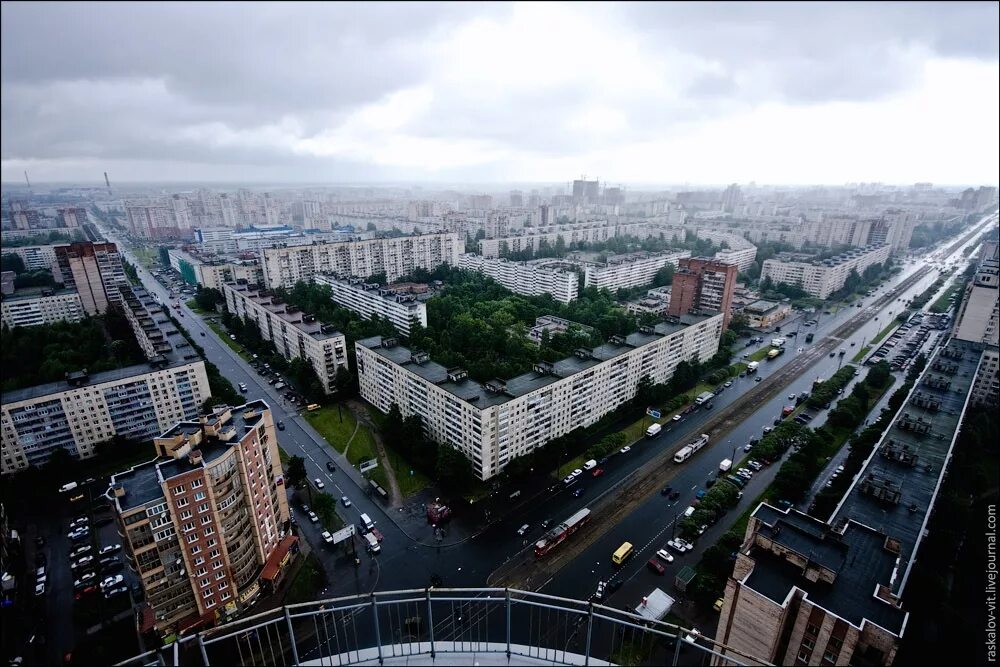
[[312, 517], [110, 549], [40, 589], [79, 551], [89, 576], [729, 383], [576, 473], [319, 483], [677, 545], [327, 537], [84, 560], [625, 450], [111, 582], [755, 465], [664, 555], [78, 523], [523, 529], [676, 418]]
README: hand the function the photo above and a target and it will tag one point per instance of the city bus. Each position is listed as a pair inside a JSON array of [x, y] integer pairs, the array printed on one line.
[[624, 551]]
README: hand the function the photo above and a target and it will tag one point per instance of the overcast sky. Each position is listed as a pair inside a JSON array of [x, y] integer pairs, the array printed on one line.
[[697, 93]]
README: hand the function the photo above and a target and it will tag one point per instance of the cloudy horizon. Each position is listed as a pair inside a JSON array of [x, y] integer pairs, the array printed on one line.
[[629, 93]]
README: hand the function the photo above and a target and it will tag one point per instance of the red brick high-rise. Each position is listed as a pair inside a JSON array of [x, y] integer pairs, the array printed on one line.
[[703, 282]]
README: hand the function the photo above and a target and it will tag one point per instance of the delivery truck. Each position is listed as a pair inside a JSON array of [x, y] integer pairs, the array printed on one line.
[[725, 466], [653, 431]]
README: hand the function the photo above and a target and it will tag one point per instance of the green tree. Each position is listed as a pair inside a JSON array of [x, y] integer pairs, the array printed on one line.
[[208, 297], [296, 472], [325, 507], [11, 262], [453, 470]]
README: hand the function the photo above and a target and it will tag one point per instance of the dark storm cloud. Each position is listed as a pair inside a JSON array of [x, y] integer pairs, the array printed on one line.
[[251, 83]]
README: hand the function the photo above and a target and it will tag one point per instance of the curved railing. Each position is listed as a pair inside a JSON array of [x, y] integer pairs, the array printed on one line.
[[415, 626]]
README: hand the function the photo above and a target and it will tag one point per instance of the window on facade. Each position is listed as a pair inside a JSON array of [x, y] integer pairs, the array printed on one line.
[[812, 629], [803, 657], [197, 483], [179, 489], [808, 643]]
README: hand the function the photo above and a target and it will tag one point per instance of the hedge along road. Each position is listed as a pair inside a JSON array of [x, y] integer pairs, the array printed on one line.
[[611, 507]]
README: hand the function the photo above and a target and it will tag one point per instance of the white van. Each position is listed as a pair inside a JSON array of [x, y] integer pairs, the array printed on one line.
[[373, 544], [366, 520], [590, 465]]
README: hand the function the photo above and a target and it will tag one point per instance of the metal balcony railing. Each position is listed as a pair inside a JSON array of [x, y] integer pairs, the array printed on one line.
[[461, 626]]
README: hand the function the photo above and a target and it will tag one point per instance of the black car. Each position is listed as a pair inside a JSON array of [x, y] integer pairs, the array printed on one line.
[[281, 426], [709, 482], [202, 333], [674, 495], [666, 491], [330, 466]]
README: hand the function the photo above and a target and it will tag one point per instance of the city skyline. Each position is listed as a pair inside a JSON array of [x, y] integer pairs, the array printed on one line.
[[501, 93]]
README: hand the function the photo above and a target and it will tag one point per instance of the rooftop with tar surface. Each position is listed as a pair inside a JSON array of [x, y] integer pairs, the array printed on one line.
[[472, 391]]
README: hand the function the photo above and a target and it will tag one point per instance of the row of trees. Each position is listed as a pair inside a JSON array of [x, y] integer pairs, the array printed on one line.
[[45, 353], [443, 463]]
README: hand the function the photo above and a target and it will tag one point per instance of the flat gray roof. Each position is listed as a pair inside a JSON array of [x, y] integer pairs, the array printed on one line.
[[142, 483], [947, 381], [858, 557], [264, 300], [469, 390]]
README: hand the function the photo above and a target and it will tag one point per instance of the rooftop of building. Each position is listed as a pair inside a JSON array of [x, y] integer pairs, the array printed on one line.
[[376, 290], [303, 322], [162, 362], [858, 557], [846, 256], [33, 293], [497, 392], [761, 306], [141, 484], [908, 465], [153, 319]]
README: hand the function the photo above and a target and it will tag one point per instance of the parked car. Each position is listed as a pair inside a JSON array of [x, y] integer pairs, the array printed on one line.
[[79, 551], [82, 561], [319, 483], [666, 491], [597, 472], [374, 531], [110, 549], [523, 529], [346, 501], [115, 592], [312, 517], [111, 582], [281, 426], [655, 566], [625, 450], [663, 554]]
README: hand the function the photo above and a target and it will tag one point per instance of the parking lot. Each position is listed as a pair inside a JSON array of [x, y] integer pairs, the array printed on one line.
[[902, 347]]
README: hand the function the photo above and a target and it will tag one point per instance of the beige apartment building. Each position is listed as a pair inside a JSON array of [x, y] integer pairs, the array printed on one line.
[[372, 300], [294, 333], [77, 413], [92, 269], [495, 422], [41, 307], [822, 278], [395, 257], [540, 276], [206, 522]]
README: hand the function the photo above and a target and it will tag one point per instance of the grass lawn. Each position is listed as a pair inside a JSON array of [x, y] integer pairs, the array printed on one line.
[[760, 354], [362, 447], [335, 428], [861, 354], [941, 305], [408, 484], [283, 455], [193, 305], [224, 335], [308, 580], [885, 332]]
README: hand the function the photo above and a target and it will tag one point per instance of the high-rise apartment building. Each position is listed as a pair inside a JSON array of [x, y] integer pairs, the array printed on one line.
[[38, 257], [151, 220], [822, 278], [809, 592], [492, 423], [41, 307], [294, 333], [23, 216], [978, 317], [372, 300], [628, 270], [93, 270], [586, 191], [394, 257], [73, 216], [540, 276], [135, 402], [703, 283], [206, 522]]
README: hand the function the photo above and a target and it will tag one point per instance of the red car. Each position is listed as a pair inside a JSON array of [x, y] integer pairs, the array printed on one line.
[[86, 591], [378, 535], [597, 472], [655, 567]]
